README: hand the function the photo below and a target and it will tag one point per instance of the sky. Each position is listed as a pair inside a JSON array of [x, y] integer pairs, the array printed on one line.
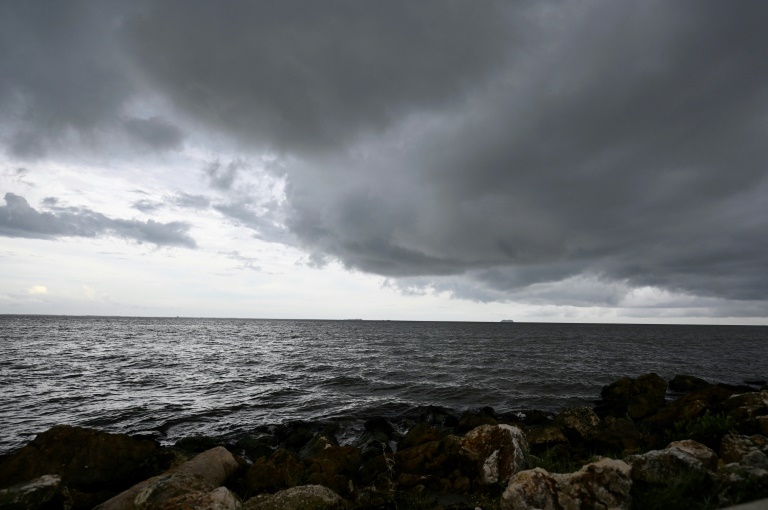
[[557, 161]]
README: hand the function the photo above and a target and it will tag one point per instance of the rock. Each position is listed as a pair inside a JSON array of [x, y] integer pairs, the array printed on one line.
[[195, 445], [578, 423], [702, 453], [304, 497], [751, 399], [217, 499], [472, 419], [293, 436], [738, 483], [735, 448], [86, 459], [335, 467], [545, 436], [636, 398], [281, 470], [534, 417], [498, 451], [203, 473], [687, 383], [602, 484], [46, 492], [419, 434], [253, 446], [317, 445], [670, 465], [616, 435], [761, 424]]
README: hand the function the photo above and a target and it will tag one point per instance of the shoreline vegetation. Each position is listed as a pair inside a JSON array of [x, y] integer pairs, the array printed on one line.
[[647, 443]]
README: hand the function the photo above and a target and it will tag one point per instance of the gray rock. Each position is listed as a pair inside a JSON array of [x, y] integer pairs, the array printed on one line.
[[666, 467], [499, 451], [203, 473], [602, 484], [217, 499], [303, 497], [46, 492]]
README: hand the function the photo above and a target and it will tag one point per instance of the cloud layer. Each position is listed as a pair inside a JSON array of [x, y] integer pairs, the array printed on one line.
[[488, 148], [19, 219]]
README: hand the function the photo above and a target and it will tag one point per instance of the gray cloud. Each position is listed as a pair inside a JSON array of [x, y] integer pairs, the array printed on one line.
[[147, 206], [223, 176], [298, 75], [155, 132], [19, 219], [494, 149], [191, 201]]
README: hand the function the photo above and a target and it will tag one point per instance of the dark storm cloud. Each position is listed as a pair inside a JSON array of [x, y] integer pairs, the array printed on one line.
[[64, 78], [19, 219], [489, 148], [302, 75]]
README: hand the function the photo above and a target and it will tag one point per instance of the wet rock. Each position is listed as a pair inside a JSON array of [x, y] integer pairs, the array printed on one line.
[[536, 418], [668, 466], [472, 419], [253, 446], [636, 398], [47, 492], [293, 436], [281, 470], [203, 473], [602, 484], [419, 434], [317, 445], [305, 497], [498, 452], [687, 383], [737, 448], [195, 445], [691, 406], [578, 423], [87, 460]]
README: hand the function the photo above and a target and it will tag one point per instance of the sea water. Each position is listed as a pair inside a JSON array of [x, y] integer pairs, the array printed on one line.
[[176, 377]]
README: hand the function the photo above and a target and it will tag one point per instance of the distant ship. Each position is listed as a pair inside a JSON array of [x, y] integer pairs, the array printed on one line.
[[507, 320]]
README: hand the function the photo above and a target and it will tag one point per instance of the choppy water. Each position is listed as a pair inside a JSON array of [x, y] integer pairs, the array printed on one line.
[[178, 377]]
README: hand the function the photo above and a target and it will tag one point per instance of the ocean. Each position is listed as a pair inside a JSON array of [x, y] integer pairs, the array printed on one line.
[[176, 377]]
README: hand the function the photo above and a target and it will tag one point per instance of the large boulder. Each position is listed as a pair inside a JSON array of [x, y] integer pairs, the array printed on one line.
[[687, 460], [636, 398], [46, 492], [203, 474], [304, 497], [602, 484], [419, 434], [85, 459], [220, 498], [498, 451]]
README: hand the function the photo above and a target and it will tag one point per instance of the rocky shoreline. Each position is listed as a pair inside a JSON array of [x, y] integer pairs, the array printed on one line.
[[647, 443]]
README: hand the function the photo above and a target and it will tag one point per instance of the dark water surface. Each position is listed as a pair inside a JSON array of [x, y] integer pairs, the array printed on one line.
[[179, 377]]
